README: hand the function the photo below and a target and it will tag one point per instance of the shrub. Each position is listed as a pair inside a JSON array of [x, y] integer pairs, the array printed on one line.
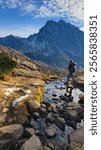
[[6, 64]]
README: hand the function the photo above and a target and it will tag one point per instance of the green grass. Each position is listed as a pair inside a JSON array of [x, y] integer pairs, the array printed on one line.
[[6, 64]]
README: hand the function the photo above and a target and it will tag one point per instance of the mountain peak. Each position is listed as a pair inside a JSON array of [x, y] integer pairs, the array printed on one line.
[[10, 36], [54, 44], [61, 21], [50, 22]]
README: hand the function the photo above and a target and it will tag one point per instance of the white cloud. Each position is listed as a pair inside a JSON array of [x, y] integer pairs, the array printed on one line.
[[63, 8], [76, 8], [49, 8], [28, 8]]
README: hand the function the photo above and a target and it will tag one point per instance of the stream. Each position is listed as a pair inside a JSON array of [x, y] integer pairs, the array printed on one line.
[[52, 93]]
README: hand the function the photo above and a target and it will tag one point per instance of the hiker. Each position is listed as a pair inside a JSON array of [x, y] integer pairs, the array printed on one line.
[[71, 69]]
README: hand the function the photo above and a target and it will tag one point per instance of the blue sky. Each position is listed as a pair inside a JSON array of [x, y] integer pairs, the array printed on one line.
[[25, 17]]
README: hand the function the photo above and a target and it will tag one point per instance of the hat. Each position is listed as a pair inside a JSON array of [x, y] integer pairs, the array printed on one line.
[[71, 60]]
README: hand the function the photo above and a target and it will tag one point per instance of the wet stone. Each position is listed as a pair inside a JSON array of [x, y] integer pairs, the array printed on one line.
[[64, 98], [60, 122], [73, 115], [33, 143], [29, 132], [50, 132], [42, 112], [50, 145], [54, 95], [39, 133], [73, 124], [43, 105], [77, 136], [36, 115], [46, 148], [75, 146], [49, 118]]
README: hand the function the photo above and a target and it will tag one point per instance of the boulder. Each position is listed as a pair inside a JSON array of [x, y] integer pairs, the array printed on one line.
[[50, 132], [65, 115], [64, 98], [75, 146], [9, 135], [72, 115], [46, 148], [49, 118], [21, 114], [2, 119], [29, 132], [43, 112], [74, 111], [60, 122], [43, 105], [33, 105], [54, 95], [32, 144], [73, 105], [81, 97], [72, 124], [36, 115], [77, 136], [39, 133], [50, 145]]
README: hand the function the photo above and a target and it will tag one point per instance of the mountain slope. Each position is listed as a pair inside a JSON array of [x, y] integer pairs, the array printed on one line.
[[55, 44]]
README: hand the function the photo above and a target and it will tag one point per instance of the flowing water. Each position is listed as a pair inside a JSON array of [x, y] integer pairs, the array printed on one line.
[[53, 91]]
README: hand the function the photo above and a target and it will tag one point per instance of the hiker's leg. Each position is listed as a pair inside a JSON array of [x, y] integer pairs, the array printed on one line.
[[68, 77]]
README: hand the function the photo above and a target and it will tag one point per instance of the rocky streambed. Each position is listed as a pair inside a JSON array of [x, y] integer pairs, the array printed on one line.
[[56, 124]]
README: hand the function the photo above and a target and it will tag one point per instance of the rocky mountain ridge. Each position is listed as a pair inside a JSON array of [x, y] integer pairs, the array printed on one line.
[[54, 44]]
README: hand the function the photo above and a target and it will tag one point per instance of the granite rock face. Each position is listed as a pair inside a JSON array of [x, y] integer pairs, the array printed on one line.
[[9, 135]]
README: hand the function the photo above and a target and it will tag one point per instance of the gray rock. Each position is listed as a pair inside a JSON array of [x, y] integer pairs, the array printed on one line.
[[50, 132], [46, 148], [75, 146], [64, 98], [9, 135], [36, 115], [81, 101], [49, 118], [39, 133], [32, 144], [43, 105], [33, 105], [54, 95], [43, 112], [65, 115], [2, 119], [74, 111], [73, 115], [29, 132], [81, 97], [73, 105], [77, 136], [60, 122], [73, 124], [50, 145]]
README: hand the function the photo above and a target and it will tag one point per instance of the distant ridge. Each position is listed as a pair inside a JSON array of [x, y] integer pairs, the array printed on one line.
[[54, 44], [29, 68]]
